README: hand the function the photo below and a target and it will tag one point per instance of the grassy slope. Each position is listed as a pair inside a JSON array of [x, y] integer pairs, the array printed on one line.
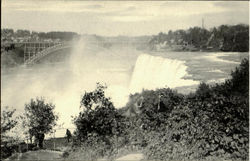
[[58, 144]]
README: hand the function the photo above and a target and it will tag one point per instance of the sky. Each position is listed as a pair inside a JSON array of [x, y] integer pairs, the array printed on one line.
[[113, 18]]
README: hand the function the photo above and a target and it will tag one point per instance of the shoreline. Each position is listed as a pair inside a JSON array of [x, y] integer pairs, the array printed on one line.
[[205, 51]]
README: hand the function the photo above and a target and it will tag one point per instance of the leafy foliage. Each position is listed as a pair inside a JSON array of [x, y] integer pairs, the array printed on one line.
[[40, 118], [7, 120], [224, 37], [43, 35], [99, 115], [240, 79], [212, 122], [98, 126]]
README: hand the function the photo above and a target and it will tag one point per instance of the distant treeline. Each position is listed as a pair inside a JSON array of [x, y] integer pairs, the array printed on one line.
[[62, 35], [224, 37], [58, 35]]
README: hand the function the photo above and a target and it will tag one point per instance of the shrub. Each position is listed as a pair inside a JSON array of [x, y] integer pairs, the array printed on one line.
[[99, 124], [7, 120], [65, 154], [40, 119], [212, 122], [93, 147], [238, 85], [154, 108]]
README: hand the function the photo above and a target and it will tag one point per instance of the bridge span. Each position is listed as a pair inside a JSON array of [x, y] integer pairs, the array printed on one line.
[[33, 51]]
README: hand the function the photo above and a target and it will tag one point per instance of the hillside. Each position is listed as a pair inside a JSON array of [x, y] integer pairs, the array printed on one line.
[[222, 38]]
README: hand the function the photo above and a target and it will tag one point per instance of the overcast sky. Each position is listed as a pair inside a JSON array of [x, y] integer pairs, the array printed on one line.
[[110, 18]]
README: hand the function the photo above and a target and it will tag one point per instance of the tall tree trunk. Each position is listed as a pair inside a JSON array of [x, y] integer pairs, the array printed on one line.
[[40, 139]]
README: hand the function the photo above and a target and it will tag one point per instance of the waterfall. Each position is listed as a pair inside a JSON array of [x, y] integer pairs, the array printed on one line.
[[152, 72]]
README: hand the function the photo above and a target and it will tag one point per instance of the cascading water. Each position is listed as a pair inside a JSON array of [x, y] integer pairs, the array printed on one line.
[[64, 83], [153, 72]]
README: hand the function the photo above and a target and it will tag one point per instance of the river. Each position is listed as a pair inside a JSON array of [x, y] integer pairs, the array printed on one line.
[[124, 70]]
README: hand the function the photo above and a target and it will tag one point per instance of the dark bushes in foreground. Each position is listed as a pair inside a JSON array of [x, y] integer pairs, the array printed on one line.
[[212, 122], [99, 116], [9, 149], [99, 125], [165, 125]]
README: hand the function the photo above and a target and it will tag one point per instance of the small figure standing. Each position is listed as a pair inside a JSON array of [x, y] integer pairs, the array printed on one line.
[[68, 133]]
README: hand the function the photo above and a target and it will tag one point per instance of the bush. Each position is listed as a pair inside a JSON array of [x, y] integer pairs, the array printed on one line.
[[8, 122], [201, 129], [154, 107], [40, 119], [6, 151], [65, 154], [9, 148], [211, 122], [99, 116], [98, 125], [94, 147]]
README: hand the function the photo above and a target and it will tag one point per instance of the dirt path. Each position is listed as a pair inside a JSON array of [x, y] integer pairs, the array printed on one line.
[[40, 155], [128, 157], [47, 155], [131, 157]]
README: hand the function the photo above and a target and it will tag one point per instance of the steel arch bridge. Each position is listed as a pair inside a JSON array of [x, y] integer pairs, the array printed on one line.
[[32, 55], [34, 51]]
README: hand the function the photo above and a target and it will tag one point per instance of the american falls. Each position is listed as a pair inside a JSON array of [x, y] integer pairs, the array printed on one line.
[[152, 72]]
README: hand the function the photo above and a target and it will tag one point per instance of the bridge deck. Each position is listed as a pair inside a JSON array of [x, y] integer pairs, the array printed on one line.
[[37, 53]]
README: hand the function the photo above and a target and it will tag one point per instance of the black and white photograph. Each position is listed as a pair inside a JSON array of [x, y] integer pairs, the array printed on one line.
[[124, 80]]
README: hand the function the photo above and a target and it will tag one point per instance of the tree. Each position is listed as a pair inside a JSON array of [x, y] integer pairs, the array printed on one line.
[[241, 42], [99, 115], [153, 107], [22, 33], [7, 120], [240, 79], [40, 118], [7, 32], [224, 37], [203, 91]]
